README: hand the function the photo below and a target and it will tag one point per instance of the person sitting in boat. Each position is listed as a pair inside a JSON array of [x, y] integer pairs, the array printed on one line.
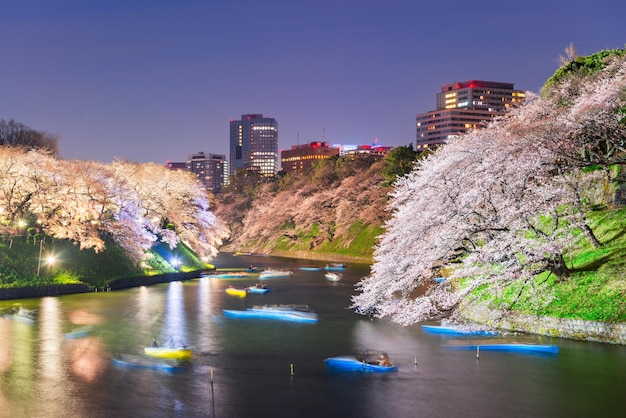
[[154, 342], [384, 360]]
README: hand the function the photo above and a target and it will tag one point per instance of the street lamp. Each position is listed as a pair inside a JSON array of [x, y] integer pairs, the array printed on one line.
[[50, 259], [39, 263], [175, 262]]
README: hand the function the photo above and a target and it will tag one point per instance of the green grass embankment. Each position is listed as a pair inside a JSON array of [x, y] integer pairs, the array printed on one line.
[[354, 245], [596, 291], [20, 263]]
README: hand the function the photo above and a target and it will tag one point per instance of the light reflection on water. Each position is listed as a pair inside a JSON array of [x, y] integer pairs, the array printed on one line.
[[174, 332], [44, 373]]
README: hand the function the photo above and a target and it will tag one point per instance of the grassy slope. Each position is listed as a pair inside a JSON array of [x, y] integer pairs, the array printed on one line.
[[19, 259], [317, 216], [597, 289]]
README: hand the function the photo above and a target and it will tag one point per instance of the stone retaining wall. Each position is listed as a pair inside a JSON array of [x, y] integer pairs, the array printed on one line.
[[574, 329], [313, 255], [66, 289], [41, 291]]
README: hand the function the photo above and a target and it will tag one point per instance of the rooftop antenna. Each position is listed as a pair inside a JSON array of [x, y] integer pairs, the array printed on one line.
[[297, 138], [323, 135]]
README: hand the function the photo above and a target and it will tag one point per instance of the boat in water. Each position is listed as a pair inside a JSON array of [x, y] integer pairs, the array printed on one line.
[[310, 268], [361, 363], [294, 313], [459, 331], [335, 266], [143, 362], [258, 288], [226, 275], [176, 353], [518, 348], [80, 332], [236, 291], [21, 314], [333, 277], [273, 273]]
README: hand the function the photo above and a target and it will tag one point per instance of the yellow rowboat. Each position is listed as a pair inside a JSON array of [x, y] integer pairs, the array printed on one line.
[[180, 353], [237, 292]]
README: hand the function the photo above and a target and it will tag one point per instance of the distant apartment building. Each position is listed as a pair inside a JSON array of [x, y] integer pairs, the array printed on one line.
[[301, 157], [462, 107], [211, 169], [254, 144]]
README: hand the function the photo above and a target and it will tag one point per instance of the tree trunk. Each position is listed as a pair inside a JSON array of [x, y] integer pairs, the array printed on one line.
[[591, 236], [585, 226], [557, 266], [619, 197]]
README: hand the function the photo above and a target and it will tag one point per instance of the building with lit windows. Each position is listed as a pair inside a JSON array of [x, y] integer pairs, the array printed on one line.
[[376, 150], [254, 144], [176, 166], [211, 169], [462, 107], [354, 150], [301, 157]]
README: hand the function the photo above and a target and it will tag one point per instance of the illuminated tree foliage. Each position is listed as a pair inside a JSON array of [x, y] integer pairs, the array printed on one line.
[[135, 205], [500, 205]]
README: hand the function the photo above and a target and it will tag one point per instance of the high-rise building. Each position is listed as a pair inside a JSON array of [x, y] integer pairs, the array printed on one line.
[[211, 169], [254, 144], [301, 157], [462, 107]]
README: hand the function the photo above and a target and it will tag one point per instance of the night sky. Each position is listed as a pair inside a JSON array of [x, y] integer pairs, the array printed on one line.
[[157, 80]]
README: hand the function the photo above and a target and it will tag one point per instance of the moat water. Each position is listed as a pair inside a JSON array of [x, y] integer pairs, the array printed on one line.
[[60, 364]]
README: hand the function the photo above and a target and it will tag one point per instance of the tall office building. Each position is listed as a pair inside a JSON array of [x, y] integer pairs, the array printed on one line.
[[462, 107], [254, 144], [211, 169]]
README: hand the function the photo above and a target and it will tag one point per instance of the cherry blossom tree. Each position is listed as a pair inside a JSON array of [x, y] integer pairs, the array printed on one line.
[[493, 209], [87, 202]]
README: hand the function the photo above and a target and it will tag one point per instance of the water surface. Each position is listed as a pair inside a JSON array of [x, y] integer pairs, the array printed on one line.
[[243, 367]]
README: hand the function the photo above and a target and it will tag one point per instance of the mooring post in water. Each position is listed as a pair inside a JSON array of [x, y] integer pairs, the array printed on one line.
[[477, 351], [212, 395], [291, 366], [416, 361]]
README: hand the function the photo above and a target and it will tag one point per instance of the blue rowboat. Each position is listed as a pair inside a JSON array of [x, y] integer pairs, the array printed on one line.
[[352, 364], [518, 348], [232, 275], [139, 362], [458, 331], [279, 312], [335, 266], [310, 268], [258, 289], [78, 333]]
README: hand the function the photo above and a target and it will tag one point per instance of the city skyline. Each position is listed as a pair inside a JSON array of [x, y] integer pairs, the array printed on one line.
[[158, 80]]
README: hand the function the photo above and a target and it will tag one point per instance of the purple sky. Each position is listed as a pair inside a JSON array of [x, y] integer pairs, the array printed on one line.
[[156, 80]]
